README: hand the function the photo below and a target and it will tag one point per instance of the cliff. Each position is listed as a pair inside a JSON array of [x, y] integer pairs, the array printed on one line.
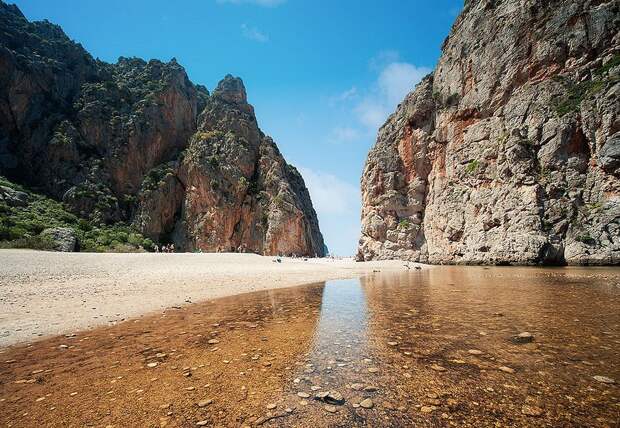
[[137, 143], [509, 152]]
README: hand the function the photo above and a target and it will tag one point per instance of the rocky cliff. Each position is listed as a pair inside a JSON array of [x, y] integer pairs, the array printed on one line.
[[509, 152], [138, 143]]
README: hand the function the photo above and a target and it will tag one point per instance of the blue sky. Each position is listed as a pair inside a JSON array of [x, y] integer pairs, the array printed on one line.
[[322, 75]]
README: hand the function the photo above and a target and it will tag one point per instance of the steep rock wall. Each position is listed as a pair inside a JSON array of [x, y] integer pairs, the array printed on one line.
[[138, 143], [509, 152]]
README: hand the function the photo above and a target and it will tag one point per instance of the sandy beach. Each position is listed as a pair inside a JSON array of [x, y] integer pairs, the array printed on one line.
[[46, 293]]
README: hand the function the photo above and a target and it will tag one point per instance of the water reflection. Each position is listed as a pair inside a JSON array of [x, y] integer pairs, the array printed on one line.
[[419, 348], [342, 326]]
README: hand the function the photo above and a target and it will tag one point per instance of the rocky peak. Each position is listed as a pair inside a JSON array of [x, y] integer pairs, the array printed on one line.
[[11, 9], [232, 90], [138, 143]]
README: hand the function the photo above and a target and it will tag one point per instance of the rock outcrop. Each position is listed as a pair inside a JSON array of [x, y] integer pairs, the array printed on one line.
[[231, 189], [138, 143], [62, 239], [509, 152]]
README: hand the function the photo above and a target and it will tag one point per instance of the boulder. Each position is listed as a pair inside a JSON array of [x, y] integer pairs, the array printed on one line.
[[62, 238], [12, 197]]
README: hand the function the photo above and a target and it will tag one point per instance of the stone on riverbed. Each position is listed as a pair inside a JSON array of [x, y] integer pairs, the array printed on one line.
[[604, 379], [522, 338], [204, 403], [330, 397], [531, 410], [367, 403]]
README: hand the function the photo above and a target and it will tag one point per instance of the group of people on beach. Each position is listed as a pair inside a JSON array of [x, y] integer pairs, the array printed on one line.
[[164, 248]]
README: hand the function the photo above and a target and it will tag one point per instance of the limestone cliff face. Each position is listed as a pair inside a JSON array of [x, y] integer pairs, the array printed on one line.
[[509, 152], [239, 194], [137, 142]]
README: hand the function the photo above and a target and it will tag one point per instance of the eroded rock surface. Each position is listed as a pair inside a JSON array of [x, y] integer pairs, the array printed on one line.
[[508, 153], [138, 143], [62, 238]]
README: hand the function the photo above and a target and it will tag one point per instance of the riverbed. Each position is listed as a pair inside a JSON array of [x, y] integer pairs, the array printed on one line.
[[448, 346]]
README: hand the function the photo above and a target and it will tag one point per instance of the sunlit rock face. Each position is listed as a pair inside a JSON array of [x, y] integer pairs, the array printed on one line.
[[137, 142], [240, 193], [509, 152]]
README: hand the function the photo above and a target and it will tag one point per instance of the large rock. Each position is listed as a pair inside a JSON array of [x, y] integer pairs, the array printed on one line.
[[62, 238], [12, 197], [137, 142], [508, 152], [240, 194]]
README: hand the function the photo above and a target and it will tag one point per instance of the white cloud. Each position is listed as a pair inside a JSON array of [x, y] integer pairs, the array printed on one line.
[[383, 58], [254, 33], [338, 206], [330, 194], [371, 112], [343, 135], [345, 96], [371, 107], [265, 3], [396, 79]]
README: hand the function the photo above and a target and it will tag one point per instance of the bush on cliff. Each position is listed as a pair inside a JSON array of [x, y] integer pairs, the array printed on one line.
[[21, 226]]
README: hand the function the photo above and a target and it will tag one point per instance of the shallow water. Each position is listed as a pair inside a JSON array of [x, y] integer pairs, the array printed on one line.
[[429, 348]]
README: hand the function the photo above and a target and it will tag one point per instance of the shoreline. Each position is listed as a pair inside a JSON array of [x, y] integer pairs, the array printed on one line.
[[45, 294]]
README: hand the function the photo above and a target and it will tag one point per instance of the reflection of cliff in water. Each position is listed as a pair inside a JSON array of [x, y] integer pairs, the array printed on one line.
[[340, 340], [402, 340], [448, 302], [342, 328]]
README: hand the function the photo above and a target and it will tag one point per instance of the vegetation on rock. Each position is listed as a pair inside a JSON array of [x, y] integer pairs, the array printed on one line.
[[137, 143], [21, 226]]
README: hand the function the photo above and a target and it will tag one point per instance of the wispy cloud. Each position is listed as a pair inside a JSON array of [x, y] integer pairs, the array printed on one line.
[[254, 33], [396, 79], [264, 3], [344, 135], [338, 204], [372, 106], [382, 59], [330, 194], [344, 96]]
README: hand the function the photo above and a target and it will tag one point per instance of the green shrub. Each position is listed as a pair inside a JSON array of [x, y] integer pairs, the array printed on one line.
[[278, 200], [154, 179], [404, 223], [586, 239], [544, 174], [20, 226], [576, 93], [29, 242], [214, 161], [614, 62], [472, 166]]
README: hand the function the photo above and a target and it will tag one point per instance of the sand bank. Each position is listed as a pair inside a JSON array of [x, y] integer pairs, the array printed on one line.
[[46, 293]]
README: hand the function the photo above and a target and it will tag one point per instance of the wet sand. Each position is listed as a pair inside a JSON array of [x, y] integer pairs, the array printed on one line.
[[424, 348], [47, 293]]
